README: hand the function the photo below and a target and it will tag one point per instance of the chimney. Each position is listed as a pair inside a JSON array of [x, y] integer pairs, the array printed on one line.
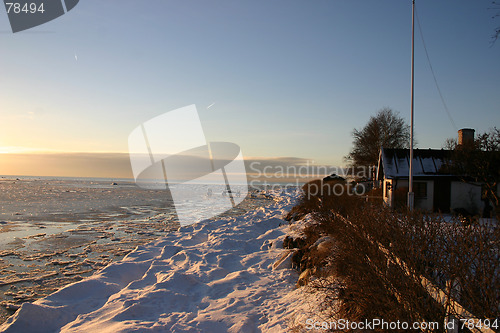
[[465, 136]]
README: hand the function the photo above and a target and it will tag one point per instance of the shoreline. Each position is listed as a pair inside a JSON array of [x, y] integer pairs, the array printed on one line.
[[53, 233], [220, 269]]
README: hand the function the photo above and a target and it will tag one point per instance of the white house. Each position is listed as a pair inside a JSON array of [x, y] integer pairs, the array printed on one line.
[[435, 190]]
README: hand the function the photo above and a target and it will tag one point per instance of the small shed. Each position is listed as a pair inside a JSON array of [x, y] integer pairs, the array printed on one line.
[[435, 189]]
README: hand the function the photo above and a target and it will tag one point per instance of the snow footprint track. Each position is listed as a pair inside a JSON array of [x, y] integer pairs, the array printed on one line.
[[193, 240]]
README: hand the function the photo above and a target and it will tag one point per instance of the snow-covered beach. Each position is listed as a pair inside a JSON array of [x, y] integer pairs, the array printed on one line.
[[213, 276]]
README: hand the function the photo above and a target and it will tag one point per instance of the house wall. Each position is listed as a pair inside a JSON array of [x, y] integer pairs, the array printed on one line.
[[388, 195], [463, 195], [425, 203], [467, 196]]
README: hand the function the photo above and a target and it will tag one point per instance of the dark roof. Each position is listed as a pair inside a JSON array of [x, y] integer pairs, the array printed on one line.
[[333, 176], [395, 163]]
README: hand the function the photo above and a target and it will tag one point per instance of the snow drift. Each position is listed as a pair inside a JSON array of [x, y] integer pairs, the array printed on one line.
[[213, 276]]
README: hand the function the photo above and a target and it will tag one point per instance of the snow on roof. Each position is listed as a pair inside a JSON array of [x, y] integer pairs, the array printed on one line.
[[395, 163]]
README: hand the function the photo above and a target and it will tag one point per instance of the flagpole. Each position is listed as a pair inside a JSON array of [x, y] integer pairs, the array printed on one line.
[[411, 195]]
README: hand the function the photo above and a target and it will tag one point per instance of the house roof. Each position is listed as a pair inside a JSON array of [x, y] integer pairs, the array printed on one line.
[[395, 163], [333, 176]]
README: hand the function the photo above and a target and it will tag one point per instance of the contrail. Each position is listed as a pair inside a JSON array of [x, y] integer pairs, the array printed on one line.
[[208, 107]]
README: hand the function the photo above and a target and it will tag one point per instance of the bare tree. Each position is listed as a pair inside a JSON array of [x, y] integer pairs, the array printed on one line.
[[450, 144], [496, 6], [386, 129]]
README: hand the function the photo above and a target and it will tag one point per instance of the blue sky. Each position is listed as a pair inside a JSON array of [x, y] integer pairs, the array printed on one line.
[[288, 78]]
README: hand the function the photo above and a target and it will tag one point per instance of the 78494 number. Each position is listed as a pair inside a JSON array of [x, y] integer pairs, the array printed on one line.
[[485, 323], [17, 8]]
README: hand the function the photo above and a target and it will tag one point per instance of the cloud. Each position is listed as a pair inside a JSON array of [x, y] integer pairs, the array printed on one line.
[[286, 169], [106, 165], [117, 165]]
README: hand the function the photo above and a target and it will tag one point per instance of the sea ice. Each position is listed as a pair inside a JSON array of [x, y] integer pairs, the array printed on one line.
[[213, 276]]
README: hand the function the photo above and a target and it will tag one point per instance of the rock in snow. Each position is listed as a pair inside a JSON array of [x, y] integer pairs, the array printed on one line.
[[213, 276]]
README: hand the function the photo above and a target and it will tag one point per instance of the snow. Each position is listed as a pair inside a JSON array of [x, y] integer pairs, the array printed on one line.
[[428, 165], [426, 162], [225, 275]]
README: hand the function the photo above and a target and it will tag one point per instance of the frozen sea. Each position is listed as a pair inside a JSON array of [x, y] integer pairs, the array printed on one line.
[[58, 231]]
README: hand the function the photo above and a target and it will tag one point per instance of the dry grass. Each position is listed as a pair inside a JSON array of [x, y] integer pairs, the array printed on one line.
[[369, 284], [375, 196]]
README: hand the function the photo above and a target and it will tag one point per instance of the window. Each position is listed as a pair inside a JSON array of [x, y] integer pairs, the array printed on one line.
[[420, 190]]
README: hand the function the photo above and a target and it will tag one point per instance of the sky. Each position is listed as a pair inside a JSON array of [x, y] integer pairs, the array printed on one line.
[[283, 79]]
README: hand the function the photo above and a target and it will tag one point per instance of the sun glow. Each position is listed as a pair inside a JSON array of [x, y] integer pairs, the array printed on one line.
[[15, 149]]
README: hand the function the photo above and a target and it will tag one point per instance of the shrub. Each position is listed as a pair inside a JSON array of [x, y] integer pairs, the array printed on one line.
[[362, 276]]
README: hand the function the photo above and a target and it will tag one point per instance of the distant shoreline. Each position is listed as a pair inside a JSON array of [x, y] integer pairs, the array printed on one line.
[[255, 182]]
